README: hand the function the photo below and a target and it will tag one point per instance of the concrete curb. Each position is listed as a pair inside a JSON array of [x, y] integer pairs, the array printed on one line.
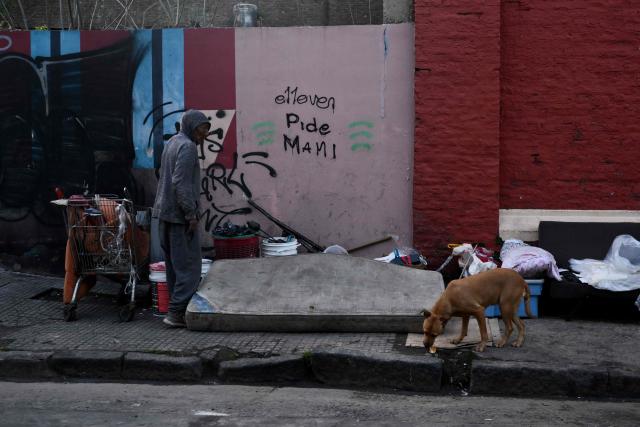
[[25, 364], [87, 364], [278, 369], [160, 367], [548, 379], [356, 369], [211, 359], [333, 367], [624, 383]]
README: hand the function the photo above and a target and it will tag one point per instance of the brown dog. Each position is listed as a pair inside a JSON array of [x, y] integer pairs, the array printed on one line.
[[470, 296]]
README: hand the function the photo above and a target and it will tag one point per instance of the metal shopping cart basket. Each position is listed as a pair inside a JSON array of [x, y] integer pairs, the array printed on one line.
[[102, 242]]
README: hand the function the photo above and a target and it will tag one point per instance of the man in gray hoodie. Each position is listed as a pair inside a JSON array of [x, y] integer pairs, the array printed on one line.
[[176, 207]]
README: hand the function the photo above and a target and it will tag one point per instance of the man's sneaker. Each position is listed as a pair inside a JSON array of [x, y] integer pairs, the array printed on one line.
[[174, 320]]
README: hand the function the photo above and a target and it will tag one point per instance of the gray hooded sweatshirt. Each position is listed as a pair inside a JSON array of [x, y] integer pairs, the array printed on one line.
[[179, 182]]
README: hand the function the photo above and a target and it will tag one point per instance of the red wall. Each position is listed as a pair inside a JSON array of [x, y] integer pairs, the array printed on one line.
[[523, 104], [456, 159], [15, 42], [570, 105]]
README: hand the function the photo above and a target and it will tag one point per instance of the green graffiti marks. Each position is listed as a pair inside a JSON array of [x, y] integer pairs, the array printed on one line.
[[365, 133], [362, 123], [264, 132], [360, 136], [361, 146]]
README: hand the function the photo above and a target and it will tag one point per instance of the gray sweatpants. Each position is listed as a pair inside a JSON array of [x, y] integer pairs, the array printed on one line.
[[183, 262]]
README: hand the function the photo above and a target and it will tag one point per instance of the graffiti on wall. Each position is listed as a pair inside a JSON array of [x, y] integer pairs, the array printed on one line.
[[79, 110], [223, 185], [226, 182], [306, 135], [340, 138], [83, 104], [361, 134], [5, 43], [310, 134], [218, 181], [57, 137], [264, 132]]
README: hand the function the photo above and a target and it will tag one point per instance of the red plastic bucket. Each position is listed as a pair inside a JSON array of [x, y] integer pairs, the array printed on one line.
[[160, 298]]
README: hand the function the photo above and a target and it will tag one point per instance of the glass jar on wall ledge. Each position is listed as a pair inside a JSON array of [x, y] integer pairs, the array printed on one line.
[[245, 15]]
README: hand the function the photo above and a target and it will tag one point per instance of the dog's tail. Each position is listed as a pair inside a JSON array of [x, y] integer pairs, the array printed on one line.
[[527, 298]]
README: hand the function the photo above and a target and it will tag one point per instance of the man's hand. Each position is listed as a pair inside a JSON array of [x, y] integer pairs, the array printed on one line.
[[192, 227]]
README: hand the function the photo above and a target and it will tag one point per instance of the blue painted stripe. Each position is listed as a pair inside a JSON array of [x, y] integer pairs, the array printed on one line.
[[40, 43], [172, 77], [69, 42], [142, 102]]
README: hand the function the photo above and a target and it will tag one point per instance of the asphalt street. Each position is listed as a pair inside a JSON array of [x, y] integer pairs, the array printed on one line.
[[108, 404]]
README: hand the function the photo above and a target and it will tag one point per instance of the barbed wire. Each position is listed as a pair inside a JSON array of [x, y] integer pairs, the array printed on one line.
[[137, 14]]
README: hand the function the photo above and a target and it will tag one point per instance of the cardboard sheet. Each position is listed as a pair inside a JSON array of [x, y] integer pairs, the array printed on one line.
[[452, 330]]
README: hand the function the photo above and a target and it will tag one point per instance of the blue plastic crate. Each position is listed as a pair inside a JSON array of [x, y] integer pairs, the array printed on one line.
[[494, 310], [535, 288]]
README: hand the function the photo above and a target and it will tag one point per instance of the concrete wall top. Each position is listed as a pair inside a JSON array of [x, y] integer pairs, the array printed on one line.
[[113, 14]]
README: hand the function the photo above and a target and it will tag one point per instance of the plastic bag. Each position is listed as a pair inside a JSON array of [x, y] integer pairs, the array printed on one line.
[[473, 261], [335, 250], [619, 271], [624, 254], [404, 256]]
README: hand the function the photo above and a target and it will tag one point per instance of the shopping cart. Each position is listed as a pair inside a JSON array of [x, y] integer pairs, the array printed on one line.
[[102, 241]]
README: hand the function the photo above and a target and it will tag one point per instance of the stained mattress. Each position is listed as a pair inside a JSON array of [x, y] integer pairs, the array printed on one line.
[[313, 292]]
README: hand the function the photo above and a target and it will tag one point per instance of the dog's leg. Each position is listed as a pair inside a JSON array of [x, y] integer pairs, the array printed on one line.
[[507, 316], [482, 324], [520, 324], [463, 331]]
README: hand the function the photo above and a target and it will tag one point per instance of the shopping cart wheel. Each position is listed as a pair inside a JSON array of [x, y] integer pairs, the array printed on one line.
[[126, 312], [70, 312]]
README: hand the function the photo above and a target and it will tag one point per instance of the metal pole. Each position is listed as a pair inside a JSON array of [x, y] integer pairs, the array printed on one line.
[[303, 239], [24, 17], [78, 14]]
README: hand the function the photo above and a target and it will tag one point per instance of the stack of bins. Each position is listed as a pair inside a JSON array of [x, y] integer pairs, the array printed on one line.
[[159, 289]]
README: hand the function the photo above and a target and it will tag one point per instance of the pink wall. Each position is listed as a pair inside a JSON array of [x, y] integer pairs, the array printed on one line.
[[360, 190]]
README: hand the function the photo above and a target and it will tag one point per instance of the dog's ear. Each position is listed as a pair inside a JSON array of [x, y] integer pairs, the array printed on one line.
[[426, 313]]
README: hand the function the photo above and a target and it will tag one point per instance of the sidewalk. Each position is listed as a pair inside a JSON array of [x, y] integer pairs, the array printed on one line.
[[559, 358]]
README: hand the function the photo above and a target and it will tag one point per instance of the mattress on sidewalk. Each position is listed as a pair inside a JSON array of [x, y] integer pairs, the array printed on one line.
[[313, 292]]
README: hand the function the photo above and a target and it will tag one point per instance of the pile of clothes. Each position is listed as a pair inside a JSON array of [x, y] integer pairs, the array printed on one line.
[[229, 229], [529, 261], [473, 260]]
